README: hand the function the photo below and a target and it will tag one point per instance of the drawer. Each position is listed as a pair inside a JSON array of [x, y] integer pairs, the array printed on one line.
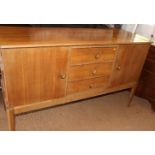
[[89, 71], [87, 55], [85, 85]]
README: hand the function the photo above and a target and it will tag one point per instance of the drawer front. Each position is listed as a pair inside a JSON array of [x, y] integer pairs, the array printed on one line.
[[87, 55], [90, 71], [85, 85]]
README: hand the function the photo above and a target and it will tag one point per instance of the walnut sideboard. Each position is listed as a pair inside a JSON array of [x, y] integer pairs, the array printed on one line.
[[44, 67]]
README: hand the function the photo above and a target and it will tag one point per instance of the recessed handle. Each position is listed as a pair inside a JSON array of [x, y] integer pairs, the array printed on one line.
[[62, 76]]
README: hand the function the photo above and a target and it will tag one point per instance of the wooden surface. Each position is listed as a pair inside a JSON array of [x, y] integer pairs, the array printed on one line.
[[85, 85], [130, 60], [70, 98], [34, 74], [44, 67], [89, 55], [33, 37], [90, 71], [146, 86]]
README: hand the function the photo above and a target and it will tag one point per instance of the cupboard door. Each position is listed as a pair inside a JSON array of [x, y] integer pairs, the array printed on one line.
[[129, 63], [34, 74]]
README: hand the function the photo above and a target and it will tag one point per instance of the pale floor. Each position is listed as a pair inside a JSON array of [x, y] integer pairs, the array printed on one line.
[[107, 112]]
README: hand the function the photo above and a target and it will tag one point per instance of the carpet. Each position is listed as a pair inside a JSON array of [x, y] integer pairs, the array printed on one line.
[[107, 112]]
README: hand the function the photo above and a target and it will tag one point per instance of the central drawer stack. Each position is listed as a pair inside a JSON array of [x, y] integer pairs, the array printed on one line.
[[90, 68]]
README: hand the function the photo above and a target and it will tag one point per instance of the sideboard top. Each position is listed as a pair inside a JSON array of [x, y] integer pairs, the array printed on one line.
[[11, 37]]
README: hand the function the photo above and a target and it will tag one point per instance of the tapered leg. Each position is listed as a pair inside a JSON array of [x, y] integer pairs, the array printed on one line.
[[133, 89], [11, 119]]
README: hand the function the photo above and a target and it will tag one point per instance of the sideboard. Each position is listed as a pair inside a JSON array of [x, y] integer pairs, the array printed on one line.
[[45, 67]]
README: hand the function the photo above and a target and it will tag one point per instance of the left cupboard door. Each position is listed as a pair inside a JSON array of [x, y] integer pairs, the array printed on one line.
[[34, 74]]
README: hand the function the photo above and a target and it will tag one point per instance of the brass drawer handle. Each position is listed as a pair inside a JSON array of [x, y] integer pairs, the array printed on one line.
[[94, 72], [118, 68], [91, 86], [62, 76], [97, 56]]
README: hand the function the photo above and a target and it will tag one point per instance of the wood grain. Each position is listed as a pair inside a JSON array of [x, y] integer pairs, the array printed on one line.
[[43, 67], [70, 98], [129, 64], [85, 85], [11, 119], [15, 37], [90, 71], [34, 74], [93, 54]]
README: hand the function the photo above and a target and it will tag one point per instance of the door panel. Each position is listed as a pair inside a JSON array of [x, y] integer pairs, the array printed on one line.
[[34, 74], [129, 63]]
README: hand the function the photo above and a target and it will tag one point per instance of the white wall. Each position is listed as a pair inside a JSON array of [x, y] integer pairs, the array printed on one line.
[[145, 30], [129, 27]]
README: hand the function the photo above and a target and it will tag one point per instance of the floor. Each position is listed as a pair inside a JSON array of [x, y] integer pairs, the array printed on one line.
[[107, 112]]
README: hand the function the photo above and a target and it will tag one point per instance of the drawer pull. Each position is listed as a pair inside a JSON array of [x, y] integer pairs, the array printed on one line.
[[97, 56], [118, 68], [91, 86], [62, 76], [94, 72]]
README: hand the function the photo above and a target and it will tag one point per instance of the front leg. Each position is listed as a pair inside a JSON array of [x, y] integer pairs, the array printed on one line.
[[133, 89], [11, 119]]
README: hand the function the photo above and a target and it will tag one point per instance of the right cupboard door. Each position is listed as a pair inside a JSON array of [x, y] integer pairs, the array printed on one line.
[[129, 63]]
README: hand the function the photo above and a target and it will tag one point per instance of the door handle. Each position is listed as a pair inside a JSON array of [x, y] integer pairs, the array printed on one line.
[[118, 68], [62, 76]]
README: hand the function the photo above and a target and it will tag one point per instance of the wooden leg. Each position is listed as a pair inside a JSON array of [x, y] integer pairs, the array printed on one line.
[[133, 89], [11, 119]]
